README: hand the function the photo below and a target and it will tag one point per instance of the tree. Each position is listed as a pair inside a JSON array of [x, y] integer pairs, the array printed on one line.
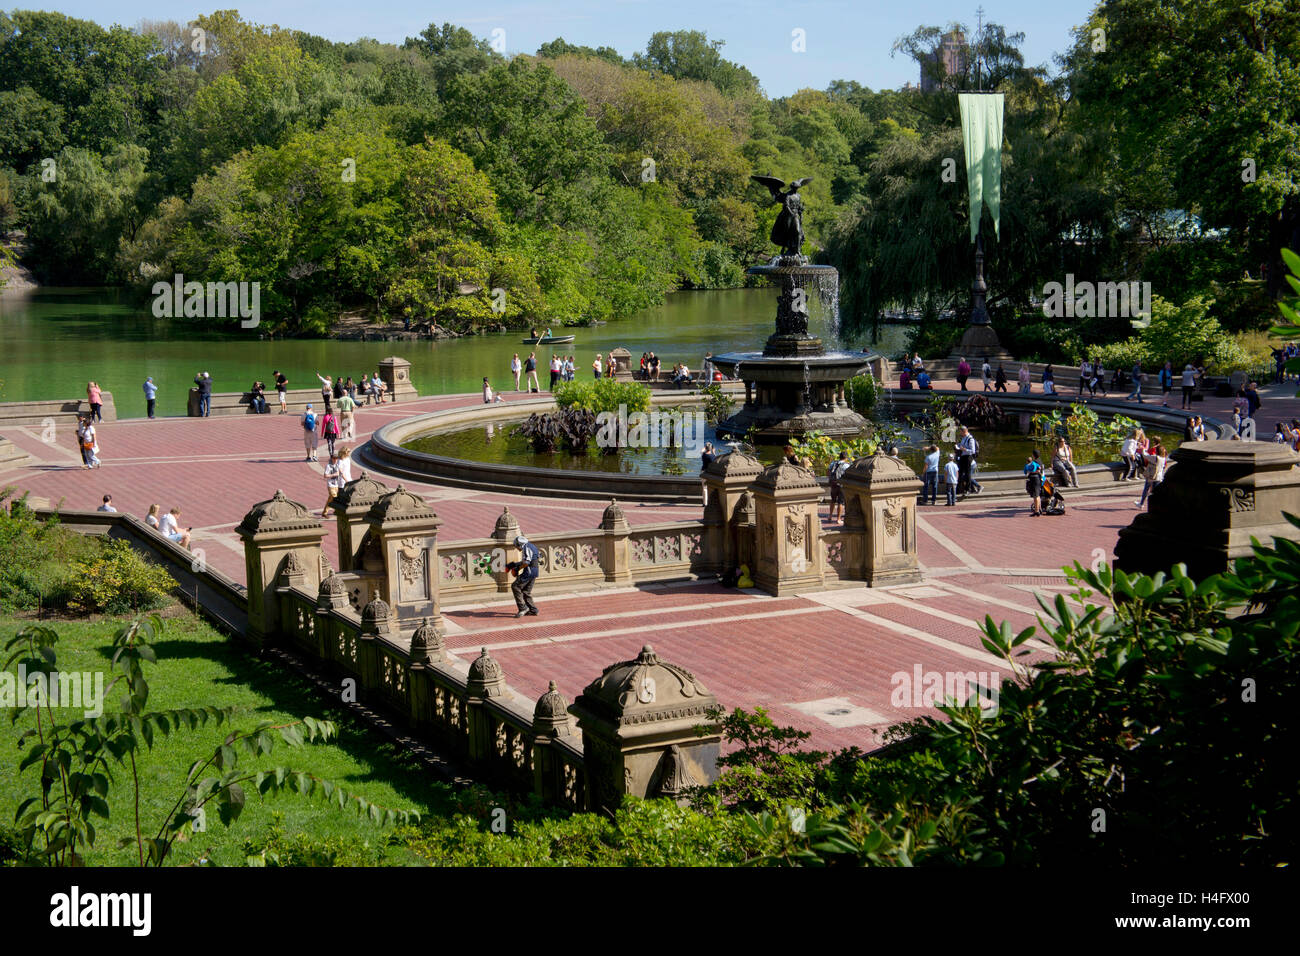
[[691, 55]]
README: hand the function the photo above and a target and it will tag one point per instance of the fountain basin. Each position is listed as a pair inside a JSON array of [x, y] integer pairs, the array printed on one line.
[[790, 396]]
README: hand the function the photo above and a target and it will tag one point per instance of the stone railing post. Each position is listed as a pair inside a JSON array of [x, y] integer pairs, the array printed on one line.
[[1215, 497], [726, 484], [485, 680], [376, 621], [615, 557], [505, 532], [638, 722], [331, 597], [788, 553], [405, 530], [427, 648], [550, 720], [278, 535], [880, 515]]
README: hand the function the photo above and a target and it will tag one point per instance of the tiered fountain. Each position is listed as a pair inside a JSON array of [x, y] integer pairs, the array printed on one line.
[[794, 386]]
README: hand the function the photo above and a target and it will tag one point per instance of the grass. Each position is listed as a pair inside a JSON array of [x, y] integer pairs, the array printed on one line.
[[198, 666]]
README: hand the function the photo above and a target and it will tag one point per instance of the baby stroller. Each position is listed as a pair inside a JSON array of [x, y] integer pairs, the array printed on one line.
[[1050, 501]]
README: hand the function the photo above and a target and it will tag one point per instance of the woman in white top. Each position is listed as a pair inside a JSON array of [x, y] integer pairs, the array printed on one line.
[[345, 466], [1156, 459], [1127, 452], [151, 519], [516, 369], [1085, 375], [986, 373], [1063, 463], [326, 387]]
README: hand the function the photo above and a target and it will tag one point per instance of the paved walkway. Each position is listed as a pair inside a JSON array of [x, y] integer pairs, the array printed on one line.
[[831, 662]]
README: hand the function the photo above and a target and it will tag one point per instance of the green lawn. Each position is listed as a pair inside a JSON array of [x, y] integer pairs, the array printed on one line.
[[197, 666]]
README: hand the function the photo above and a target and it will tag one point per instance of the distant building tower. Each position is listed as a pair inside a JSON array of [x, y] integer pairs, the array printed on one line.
[[951, 59]]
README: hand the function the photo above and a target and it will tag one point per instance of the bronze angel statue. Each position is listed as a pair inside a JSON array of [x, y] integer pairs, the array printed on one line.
[[787, 232]]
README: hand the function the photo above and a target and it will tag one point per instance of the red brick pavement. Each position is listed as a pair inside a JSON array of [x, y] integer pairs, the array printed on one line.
[[826, 662]]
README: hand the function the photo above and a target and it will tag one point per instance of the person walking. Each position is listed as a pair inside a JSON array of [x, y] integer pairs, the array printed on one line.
[[1136, 376], [1026, 383], [963, 373], [89, 442], [951, 479], [930, 477], [1001, 379], [986, 374], [150, 395], [833, 475], [1189, 385], [329, 429], [1251, 391], [1085, 375], [1063, 463], [967, 449], [204, 381], [345, 466], [309, 439], [530, 370], [1166, 383], [1156, 460], [282, 390], [525, 571], [332, 484], [1033, 481], [347, 416], [516, 369]]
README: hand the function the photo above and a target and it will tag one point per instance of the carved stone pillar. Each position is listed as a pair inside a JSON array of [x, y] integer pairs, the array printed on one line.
[[616, 560], [880, 505], [427, 648], [505, 532], [727, 481], [638, 722], [352, 505], [486, 679], [550, 720], [788, 552], [1216, 496], [278, 535], [396, 373], [405, 530]]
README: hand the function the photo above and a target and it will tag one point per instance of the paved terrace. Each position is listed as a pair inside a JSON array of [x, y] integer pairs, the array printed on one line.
[[823, 662]]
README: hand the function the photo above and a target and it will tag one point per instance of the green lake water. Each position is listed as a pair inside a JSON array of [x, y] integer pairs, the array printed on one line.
[[53, 341]]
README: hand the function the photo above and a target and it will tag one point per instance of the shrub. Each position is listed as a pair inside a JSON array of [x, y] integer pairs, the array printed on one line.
[[717, 404], [118, 580], [862, 392], [573, 428], [602, 395], [1120, 355], [35, 556]]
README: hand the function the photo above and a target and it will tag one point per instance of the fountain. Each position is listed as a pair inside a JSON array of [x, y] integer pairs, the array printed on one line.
[[795, 385]]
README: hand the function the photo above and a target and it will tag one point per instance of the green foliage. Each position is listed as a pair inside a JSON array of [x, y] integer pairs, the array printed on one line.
[[117, 580], [36, 556], [1186, 333], [572, 428], [1082, 426], [862, 393], [718, 405], [822, 449], [76, 760], [602, 395]]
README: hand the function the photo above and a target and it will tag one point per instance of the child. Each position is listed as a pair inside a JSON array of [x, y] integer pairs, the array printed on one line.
[[951, 476], [488, 397]]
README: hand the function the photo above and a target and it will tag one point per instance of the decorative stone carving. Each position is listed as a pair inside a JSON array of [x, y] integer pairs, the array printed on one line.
[[894, 516], [375, 618], [630, 718], [486, 678], [278, 513], [1239, 499], [676, 775], [427, 644], [789, 556], [507, 526], [613, 518], [880, 520], [794, 529], [551, 716]]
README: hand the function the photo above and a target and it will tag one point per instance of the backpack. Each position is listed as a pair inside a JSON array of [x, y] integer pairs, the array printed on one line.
[[331, 428], [309, 422], [837, 469]]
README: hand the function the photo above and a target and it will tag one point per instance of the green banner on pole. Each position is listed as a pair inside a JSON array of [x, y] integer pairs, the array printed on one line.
[[981, 129]]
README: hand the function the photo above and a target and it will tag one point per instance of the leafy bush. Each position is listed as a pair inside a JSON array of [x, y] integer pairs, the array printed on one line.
[[574, 428], [1120, 355], [1082, 426], [823, 450], [602, 395], [35, 556], [118, 580], [1185, 333], [717, 404], [862, 393]]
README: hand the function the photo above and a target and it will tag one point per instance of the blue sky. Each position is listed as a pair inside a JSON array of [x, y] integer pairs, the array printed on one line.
[[845, 39]]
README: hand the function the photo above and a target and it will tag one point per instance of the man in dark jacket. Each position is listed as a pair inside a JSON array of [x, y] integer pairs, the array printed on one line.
[[204, 381], [525, 569]]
